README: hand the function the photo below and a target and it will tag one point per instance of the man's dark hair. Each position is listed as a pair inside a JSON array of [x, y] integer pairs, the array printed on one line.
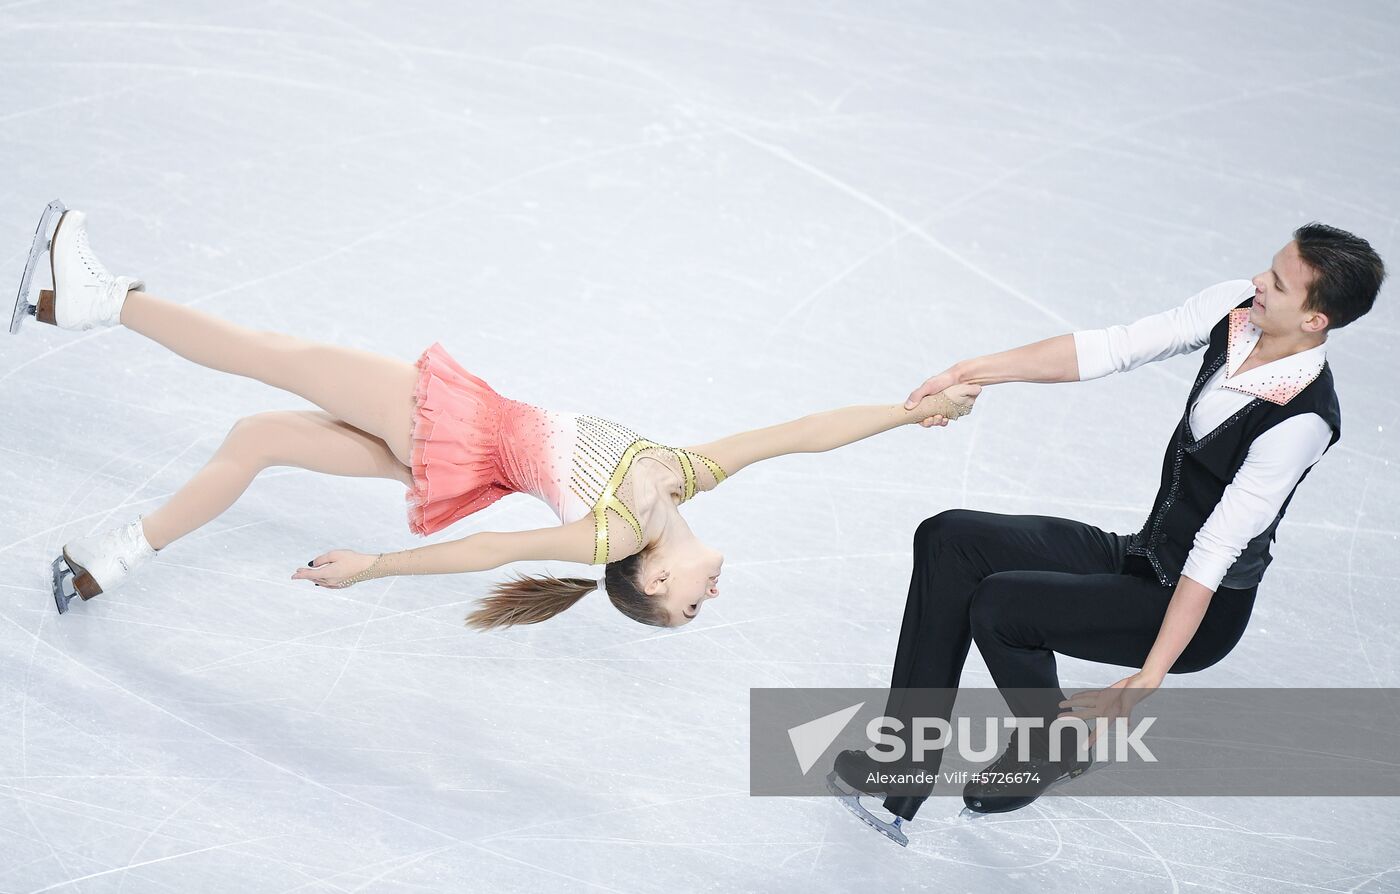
[[1347, 272]]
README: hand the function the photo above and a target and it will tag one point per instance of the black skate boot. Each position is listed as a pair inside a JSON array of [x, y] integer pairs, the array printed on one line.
[[1009, 783]]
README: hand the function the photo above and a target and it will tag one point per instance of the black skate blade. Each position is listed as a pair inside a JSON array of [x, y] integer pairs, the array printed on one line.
[[37, 248], [850, 799], [63, 591]]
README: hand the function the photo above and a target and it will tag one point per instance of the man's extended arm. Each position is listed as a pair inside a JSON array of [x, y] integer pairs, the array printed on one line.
[[1092, 353], [1051, 360]]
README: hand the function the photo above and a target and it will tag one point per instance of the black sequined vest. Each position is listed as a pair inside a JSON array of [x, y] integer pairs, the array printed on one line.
[[1195, 472]]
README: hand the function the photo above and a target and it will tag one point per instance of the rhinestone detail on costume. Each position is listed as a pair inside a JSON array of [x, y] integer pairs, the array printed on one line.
[[1278, 389], [1145, 545], [603, 454]]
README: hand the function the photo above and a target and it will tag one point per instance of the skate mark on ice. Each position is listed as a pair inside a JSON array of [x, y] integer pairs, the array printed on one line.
[[161, 825], [1147, 846], [92, 672], [212, 847], [142, 485], [354, 649], [1359, 638]]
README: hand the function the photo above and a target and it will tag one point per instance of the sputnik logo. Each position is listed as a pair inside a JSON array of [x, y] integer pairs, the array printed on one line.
[[811, 739]]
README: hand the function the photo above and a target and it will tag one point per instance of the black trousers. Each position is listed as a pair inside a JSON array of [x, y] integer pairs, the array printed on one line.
[[1028, 586]]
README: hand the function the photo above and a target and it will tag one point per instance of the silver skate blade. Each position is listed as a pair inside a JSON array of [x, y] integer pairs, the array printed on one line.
[[37, 248], [63, 591], [850, 799]]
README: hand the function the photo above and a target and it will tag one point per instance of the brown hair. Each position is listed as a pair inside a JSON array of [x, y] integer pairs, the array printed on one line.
[[1347, 272], [529, 600], [629, 598]]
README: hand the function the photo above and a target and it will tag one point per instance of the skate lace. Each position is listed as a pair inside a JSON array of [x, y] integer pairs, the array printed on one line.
[[86, 255]]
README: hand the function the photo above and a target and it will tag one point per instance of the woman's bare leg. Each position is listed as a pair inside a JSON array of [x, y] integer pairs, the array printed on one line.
[[371, 392], [307, 439]]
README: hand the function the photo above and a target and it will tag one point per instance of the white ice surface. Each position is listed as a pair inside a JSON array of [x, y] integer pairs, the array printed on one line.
[[750, 212]]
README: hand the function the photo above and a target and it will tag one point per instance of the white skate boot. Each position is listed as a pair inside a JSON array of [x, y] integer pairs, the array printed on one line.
[[84, 294], [99, 563]]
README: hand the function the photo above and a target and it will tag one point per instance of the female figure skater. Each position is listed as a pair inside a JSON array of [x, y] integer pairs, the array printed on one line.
[[455, 443]]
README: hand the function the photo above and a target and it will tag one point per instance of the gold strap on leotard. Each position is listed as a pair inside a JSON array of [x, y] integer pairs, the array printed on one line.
[[688, 468], [690, 473], [687, 473], [608, 499]]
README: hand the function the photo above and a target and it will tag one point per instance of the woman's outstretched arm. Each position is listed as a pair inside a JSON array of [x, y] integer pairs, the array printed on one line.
[[830, 429], [481, 551]]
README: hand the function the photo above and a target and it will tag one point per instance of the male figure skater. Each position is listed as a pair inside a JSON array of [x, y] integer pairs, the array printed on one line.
[[1175, 596]]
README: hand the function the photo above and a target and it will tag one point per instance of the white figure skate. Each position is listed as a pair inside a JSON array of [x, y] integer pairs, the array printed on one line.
[[85, 295], [99, 563]]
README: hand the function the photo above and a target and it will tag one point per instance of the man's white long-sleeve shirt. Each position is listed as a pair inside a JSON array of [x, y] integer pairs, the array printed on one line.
[[1276, 459]]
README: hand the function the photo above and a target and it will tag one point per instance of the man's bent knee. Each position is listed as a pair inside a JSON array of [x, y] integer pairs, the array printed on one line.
[[940, 527], [994, 602], [983, 610]]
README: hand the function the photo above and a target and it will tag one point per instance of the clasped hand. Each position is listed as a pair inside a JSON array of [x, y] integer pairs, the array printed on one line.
[[944, 383]]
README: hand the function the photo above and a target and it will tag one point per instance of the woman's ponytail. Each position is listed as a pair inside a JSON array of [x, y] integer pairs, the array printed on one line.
[[529, 600]]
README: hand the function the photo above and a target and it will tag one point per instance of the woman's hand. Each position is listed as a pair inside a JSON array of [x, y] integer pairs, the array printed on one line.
[[334, 568], [1115, 701], [932, 385], [964, 396]]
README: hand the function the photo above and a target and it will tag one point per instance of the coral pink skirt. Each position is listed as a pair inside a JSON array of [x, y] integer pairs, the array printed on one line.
[[456, 459]]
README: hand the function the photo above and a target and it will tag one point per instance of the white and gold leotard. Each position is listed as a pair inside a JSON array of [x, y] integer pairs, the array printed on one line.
[[579, 465]]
